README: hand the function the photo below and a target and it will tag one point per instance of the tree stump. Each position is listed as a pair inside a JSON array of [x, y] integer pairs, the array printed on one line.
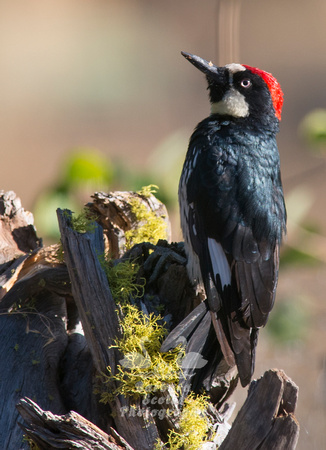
[[59, 324]]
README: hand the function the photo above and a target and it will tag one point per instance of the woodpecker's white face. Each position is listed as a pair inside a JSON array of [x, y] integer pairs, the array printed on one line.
[[233, 102], [240, 91]]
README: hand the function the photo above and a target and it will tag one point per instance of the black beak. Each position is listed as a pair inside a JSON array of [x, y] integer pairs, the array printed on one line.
[[204, 66]]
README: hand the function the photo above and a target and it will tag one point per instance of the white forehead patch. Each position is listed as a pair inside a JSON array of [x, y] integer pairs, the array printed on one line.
[[232, 104], [234, 68]]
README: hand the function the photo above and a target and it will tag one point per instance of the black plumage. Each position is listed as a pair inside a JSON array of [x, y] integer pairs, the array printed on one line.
[[232, 208]]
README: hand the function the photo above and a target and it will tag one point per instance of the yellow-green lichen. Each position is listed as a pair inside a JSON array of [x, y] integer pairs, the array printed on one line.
[[123, 280], [150, 227], [143, 368], [30, 442], [194, 424], [84, 222], [147, 191]]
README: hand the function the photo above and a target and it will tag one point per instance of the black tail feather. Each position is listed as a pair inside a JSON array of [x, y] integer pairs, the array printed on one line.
[[182, 332], [194, 361], [204, 359]]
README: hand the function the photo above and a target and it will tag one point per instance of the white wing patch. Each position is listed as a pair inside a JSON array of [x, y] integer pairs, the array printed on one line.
[[219, 262]]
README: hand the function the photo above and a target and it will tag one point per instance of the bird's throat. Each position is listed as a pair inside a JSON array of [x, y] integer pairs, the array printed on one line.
[[232, 104]]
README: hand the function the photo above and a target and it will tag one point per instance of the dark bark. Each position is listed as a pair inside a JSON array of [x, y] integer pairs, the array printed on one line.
[[263, 422], [57, 323], [266, 419], [97, 310], [69, 431]]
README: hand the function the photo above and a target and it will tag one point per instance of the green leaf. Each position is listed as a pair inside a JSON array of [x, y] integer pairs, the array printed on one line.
[[313, 129], [289, 321], [85, 166]]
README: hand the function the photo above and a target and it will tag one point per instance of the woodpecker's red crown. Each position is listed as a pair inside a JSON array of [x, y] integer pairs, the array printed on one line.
[[240, 91], [273, 86]]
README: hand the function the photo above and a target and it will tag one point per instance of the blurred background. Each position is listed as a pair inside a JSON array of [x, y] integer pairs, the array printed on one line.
[[96, 96]]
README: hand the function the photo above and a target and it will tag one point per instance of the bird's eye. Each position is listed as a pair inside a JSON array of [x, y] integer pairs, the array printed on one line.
[[245, 83]]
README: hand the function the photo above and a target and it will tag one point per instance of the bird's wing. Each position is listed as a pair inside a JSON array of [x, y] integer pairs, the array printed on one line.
[[238, 270], [224, 298]]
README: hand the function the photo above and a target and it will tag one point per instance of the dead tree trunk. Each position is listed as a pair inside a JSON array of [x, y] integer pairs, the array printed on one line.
[[59, 321], [265, 421]]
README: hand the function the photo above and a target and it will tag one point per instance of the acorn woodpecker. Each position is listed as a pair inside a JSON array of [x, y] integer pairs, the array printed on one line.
[[232, 208]]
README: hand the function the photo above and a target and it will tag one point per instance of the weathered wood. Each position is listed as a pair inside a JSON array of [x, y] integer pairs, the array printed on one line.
[[99, 319], [36, 314], [33, 341], [114, 213], [262, 423], [32, 330], [91, 291], [266, 419], [48, 355], [48, 430], [18, 235]]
